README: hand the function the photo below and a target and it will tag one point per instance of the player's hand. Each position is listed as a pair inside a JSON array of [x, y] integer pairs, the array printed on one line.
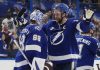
[[88, 13]]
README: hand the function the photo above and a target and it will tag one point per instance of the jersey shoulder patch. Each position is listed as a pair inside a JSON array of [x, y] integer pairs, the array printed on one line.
[[26, 31], [37, 28]]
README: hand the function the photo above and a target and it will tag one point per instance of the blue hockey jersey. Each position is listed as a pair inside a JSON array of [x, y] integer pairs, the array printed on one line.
[[62, 44], [34, 38], [34, 44], [87, 47]]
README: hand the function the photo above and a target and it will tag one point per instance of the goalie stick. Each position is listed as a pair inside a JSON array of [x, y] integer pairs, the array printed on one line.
[[16, 43]]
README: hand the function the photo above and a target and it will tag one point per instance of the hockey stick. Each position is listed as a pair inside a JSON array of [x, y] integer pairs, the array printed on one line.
[[22, 53], [16, 43], [21, 12], [31, 65]]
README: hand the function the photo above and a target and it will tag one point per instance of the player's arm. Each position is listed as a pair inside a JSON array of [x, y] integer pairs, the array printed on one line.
[[22, 37], [83, 26]]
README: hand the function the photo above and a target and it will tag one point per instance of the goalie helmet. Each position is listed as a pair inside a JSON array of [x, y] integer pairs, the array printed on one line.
[[62, 7], [37, 16]]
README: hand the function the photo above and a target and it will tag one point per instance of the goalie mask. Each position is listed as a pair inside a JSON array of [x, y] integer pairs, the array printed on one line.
[[36, 15]]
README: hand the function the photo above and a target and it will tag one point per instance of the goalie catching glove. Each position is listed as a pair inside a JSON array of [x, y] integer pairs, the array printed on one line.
[[88, 14]]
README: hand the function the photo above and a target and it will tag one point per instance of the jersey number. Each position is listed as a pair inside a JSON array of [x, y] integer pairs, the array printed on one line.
[[37, 37]]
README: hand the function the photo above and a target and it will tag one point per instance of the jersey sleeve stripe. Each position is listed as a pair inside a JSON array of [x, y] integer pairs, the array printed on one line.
[[84, 68], [21, 63], [33, 47], [63, 57]]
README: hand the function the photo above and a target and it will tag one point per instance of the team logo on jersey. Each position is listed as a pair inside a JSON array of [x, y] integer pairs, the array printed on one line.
[[57, 38]]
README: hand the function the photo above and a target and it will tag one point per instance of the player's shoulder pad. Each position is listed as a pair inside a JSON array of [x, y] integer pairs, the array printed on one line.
[[49, 24], [25, 31], [96, 40], [75, 20], [38, 28]]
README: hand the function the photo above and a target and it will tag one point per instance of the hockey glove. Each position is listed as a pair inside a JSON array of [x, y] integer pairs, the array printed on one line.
[[88, 14]]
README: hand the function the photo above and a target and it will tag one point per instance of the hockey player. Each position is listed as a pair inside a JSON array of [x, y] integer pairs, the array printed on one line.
[[34, 44], [62, 44], [87, 47]]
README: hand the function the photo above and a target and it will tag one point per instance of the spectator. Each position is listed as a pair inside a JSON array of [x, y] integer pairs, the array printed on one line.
[[48, 4], [39, 5], [3, 47], [9, 26]]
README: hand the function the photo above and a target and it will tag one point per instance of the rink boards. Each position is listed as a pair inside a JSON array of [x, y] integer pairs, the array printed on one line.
[[8, 64]]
